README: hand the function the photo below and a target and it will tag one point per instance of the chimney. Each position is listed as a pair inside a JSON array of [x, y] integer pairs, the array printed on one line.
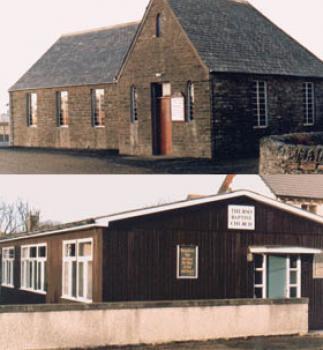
[[33, 221]]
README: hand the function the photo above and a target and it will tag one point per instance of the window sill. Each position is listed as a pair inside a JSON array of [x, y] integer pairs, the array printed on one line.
[[33, 291], [309, 124], [63, 127], [187, 278], [32, 126], [260, 127], [80, 300], [7, 286], [99, 127]]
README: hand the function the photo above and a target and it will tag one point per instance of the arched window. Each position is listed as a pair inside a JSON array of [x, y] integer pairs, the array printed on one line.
[[133, 104], [190, 101], [158, 25]]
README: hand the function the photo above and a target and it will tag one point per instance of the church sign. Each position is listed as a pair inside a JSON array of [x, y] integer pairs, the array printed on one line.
[[241, 217]]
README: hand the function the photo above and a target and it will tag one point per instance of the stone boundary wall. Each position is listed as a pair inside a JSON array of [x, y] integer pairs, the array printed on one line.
[[70, 326], [300, 153]]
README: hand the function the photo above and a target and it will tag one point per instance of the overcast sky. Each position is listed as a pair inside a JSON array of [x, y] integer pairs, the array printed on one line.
[[29, 28], [70, 198]]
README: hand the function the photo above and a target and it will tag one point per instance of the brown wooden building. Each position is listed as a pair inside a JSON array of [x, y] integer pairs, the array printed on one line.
[[197, 81], [238, 245]]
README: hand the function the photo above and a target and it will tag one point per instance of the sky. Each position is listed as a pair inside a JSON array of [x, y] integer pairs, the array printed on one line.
[[29, 28], [72, 198]]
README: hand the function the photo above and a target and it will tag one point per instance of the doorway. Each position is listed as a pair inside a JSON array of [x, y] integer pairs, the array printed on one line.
[[161, 119]]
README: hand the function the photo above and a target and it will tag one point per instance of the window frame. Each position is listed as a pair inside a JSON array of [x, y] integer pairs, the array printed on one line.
[[133, 104], [316, 275], [97, 122], [5, 263], [306, 106], [61, 123], [32, 113], [257, 104], [35, 261], [76, 259], [178, 251], [190, 100], [158, 25]]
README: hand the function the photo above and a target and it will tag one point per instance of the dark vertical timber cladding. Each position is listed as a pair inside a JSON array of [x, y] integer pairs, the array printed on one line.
[[140, 254]]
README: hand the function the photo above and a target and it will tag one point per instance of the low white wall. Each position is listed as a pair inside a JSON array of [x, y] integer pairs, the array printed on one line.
[[47, 328]]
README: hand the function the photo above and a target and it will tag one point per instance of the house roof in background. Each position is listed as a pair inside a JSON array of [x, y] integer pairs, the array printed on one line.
[[301, 186], [83, 58], [232, 36]]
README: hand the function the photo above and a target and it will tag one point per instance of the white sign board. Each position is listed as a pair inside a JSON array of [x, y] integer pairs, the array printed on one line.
[[178, 109], [241, 217]]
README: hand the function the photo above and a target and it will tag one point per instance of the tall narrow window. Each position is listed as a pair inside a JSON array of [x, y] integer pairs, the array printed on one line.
[[31, 109], [98, 114], [8, 258], [309, 104], [133, 104], [158, 25], [33, 268], [62, 108], [190, 101], [260, 105], [77, 270]]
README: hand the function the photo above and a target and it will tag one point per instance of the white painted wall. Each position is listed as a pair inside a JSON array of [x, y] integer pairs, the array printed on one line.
[[101, 327]]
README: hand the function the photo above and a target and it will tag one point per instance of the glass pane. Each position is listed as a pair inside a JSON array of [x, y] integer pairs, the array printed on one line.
[[74, 281], [293, 277], [81, 280], [25, 252], [258, 277], [259, 259], [35, 275], [30, 274], [85, 249], [293, 292], [70, 250], [89, 280], [293, 261], [258, 293], [42, 252], [33, 252]]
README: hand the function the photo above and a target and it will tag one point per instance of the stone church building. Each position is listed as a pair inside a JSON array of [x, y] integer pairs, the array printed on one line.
[[203, 78]]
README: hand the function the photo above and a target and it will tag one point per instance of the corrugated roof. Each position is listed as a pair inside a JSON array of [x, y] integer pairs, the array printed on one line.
[[83, 58], [232, 36], [303, 186]]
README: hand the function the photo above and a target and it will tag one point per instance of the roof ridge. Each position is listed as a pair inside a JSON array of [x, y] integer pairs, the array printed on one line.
[[100, 29]]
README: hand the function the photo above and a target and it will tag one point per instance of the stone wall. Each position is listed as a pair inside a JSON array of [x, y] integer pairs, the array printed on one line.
[[80, 134], [300, 153], [235, 134], [169, 58], [83, 326]]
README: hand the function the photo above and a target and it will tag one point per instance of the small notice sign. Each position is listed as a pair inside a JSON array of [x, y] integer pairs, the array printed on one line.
[[178, 108], [187, 261], [241, 217]]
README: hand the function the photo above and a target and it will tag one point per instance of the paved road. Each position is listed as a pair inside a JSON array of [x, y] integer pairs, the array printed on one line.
[[277, 343], [31, 161]]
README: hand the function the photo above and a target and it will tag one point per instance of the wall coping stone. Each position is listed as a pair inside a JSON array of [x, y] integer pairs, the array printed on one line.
[[147, 305]]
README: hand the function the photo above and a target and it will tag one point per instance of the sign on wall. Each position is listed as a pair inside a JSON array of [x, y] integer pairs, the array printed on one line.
[[178, 108], [187, 261], [241, 217]]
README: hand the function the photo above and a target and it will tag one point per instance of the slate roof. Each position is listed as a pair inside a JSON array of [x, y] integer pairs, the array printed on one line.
[[91, 57], [302, 186], [232, 36]]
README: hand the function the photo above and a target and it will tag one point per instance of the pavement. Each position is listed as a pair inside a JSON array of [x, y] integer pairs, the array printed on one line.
[[270, 343], [44, 161]]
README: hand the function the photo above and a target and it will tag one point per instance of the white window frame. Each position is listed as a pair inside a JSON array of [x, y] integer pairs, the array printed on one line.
[[196, 276], [257, 109], [77, 259], [262, 269], [24, 264], [289, 285], [309, 120], [7, 277]]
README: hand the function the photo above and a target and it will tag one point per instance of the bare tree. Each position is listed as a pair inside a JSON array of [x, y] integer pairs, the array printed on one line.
[[17, 217]]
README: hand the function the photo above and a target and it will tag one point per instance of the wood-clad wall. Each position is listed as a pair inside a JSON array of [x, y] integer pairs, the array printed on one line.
[[140, 254]]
